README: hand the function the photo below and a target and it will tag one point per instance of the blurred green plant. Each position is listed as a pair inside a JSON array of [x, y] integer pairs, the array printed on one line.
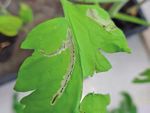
[[126, 105], [115, 13], [10, 24], [25, 13], [144, 77]]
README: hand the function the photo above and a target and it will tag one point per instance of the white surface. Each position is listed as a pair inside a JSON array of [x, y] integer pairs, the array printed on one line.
[[145, 8], [6, 93], [125, 68]]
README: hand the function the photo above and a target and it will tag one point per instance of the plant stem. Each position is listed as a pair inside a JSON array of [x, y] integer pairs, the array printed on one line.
[[116, 7]]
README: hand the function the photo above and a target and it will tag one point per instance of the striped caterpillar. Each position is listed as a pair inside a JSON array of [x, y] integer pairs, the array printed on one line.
[[67, 44]]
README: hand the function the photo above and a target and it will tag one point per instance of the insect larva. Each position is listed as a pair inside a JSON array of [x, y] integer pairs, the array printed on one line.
[[54, 99]]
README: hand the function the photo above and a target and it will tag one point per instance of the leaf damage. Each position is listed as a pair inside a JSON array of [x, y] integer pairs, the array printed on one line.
[[67, 76]]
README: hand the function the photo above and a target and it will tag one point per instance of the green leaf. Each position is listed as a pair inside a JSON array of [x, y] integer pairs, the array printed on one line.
[[94, 32], [10, 25], [143, 78], [126, 105], [95, 103], [26, 13], [44, 36], [132, 19], [50, 77], [44, 80], [66, 50]]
